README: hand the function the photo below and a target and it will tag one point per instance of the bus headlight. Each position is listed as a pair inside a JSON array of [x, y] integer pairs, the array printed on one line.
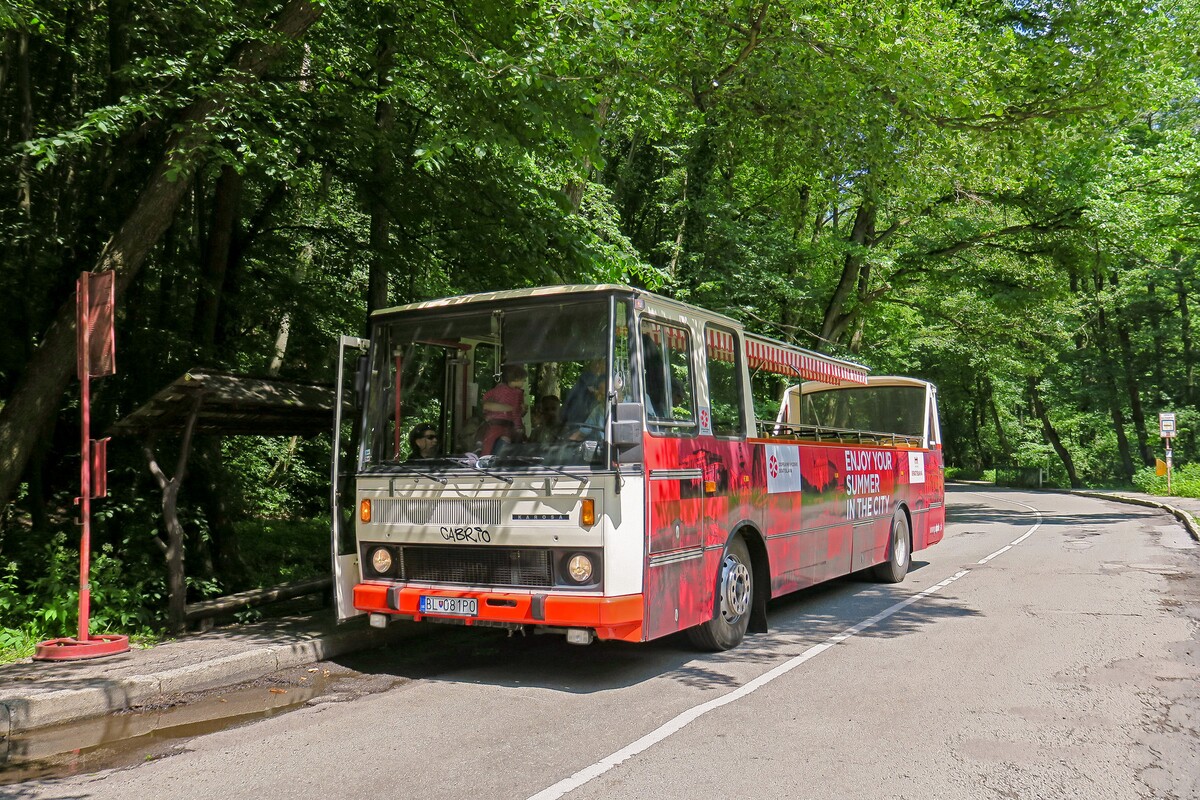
[[381, 560], [579, 568]]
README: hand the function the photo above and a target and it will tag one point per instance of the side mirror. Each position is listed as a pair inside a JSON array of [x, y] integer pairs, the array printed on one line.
[[360, 381], [627, 427]]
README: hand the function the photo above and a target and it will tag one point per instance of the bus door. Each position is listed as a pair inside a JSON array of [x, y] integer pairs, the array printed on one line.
[[932, 483], [678, 591], [348, 392]]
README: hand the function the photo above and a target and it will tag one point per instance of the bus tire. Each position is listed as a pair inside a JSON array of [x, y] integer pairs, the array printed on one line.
[[899, 552], [734, 601]]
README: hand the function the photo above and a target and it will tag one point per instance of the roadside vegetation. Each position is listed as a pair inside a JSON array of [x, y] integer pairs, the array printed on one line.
[[998, 197], [1185, 482]]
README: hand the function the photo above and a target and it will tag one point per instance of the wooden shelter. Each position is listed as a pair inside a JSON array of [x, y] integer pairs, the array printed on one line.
[[223, 404], [232, 405]]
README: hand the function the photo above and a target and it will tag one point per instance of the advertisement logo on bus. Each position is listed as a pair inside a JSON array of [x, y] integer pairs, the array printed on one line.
[[783, 468]]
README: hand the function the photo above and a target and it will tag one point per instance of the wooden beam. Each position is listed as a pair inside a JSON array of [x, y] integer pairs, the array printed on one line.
[[256, 597]]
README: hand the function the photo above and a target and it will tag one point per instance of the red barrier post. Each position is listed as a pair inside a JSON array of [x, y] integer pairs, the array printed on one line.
[[95, 357]]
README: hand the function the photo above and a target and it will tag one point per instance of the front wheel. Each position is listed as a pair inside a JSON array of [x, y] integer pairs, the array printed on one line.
[[735, 596], [899, 552]]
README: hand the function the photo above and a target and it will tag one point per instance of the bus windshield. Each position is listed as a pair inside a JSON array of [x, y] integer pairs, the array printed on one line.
[[500, 385], [880, 408]]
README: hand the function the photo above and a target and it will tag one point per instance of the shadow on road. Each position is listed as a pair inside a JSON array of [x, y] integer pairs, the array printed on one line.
[[796, 622]]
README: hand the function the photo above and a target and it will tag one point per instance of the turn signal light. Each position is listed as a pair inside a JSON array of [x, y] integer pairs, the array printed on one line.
[[364, 510], [587, 515], [710, 487]]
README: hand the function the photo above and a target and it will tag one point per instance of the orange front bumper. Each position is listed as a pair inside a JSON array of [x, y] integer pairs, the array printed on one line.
[[610, 617]]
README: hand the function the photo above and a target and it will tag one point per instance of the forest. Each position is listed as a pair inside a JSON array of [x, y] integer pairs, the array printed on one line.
[[999, 196]]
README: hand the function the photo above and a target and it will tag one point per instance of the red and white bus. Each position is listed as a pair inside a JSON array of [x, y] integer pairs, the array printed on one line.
[[656, 500]]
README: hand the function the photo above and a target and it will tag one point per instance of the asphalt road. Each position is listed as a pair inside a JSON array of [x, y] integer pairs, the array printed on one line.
[[1047, 648]]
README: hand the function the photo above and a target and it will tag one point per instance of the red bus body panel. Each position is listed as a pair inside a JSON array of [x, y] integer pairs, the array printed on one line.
[[831, 517]]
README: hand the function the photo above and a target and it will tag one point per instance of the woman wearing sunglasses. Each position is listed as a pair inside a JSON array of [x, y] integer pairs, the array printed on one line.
[[422, 442]]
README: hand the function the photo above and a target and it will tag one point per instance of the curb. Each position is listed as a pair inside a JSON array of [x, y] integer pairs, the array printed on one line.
[[20, 714], [1184, 517]]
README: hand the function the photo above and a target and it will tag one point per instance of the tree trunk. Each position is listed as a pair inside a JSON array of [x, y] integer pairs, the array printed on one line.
[[1113, 395], [226, 199], [5, 57], [173, 547], [173, 552], [1131, 384], [35, 399], [284, 333], [381, 179], [975, 432], [837, 315], [576, 187], [1158, 311], [789, 313], [24, 89], [118, 49], [1001, 436], [1051, 434], [677, 246], [1135, 396], [1185, 338]]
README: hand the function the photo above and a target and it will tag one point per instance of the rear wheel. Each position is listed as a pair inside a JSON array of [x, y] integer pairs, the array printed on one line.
[[899, 552], [735, 596]]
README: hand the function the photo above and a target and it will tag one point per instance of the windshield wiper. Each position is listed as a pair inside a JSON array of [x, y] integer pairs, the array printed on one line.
[[471, 460], [409, 467], [541, 461]]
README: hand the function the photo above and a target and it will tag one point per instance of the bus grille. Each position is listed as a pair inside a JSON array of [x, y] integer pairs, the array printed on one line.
[[393, 511], [491, 566]]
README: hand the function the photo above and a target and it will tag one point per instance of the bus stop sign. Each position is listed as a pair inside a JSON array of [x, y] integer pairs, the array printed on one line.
[[1166, 424]]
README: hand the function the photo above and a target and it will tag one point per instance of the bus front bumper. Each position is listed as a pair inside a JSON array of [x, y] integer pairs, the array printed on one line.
[[617, 618]]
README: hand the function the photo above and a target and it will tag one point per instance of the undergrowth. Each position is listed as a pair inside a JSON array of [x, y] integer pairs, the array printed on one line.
[[39, 588], [127, 597], [1185, 481]]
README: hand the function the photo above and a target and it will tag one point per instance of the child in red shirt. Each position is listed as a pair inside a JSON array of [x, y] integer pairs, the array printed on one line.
[[504, 409]]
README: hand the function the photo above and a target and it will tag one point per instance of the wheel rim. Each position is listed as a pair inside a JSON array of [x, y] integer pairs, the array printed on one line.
[[899, 543], [735, 589]]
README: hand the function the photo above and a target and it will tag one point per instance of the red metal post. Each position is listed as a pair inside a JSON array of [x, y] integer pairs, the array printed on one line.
[[85, 467], [94, 329], [396, 423]]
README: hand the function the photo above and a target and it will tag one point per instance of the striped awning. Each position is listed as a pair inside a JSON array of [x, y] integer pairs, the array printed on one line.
[[792, 361], [720, 344], [764, 354], [672, 337]]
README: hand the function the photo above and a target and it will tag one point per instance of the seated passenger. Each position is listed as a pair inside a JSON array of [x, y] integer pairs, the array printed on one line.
[[422, 442], [592, 428], [547, 427], [578, 402]]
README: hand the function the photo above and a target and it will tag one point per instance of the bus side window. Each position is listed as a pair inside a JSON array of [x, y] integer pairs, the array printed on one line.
[[933, 426], [724, 382], [667, 368]]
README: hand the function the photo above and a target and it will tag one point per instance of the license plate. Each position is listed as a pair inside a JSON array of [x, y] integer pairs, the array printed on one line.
[[451, 606]]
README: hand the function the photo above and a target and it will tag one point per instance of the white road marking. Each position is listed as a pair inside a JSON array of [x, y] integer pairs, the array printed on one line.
[[986, 559], [1019, 539], [685, 718]]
